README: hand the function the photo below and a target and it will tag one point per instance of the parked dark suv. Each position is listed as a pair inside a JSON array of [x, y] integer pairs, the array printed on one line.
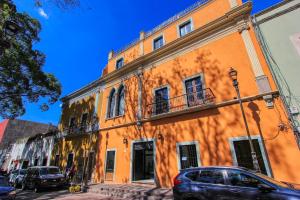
[[230, 183], [38, 178]]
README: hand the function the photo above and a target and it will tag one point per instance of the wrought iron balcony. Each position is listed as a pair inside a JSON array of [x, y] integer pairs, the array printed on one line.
[[190, 100], [78, 129]]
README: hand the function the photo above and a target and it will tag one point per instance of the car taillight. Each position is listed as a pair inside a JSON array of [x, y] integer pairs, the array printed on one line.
[[177, 181]]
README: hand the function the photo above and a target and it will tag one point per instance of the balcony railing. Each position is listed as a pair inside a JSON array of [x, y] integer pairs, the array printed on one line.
[[80, 129], [190, 100]]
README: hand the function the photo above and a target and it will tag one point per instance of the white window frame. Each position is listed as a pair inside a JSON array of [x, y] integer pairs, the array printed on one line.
[[262, 150], [117, 60], [157, 37], [190, 20], [115, 160], [196, 143]]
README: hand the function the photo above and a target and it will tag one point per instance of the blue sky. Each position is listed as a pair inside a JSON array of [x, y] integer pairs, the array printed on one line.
[[76, 42]]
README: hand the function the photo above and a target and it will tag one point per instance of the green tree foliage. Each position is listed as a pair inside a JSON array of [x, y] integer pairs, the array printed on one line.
[[62, 4], [21, 75]]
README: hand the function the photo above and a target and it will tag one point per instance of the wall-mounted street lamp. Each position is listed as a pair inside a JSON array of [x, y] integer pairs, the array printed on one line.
[[160, 137], [233, 75], [125, 140]]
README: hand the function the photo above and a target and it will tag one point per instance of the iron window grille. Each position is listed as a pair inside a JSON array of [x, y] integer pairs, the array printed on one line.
[[188, 156]]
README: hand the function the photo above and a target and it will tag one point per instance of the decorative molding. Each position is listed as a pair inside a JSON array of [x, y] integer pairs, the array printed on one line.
[[225, 22], [84, 95], [243, 26], [256, 66], [233, 3]]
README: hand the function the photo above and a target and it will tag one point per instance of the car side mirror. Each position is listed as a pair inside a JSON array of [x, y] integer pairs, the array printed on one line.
[[265, 188]]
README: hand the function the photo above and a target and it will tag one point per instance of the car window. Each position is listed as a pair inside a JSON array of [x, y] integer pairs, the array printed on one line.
[[192, 175], [210, 176], [45, 171], [237, 178]]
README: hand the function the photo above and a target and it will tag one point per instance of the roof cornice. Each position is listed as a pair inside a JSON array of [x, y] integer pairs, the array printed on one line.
[[232, 17]]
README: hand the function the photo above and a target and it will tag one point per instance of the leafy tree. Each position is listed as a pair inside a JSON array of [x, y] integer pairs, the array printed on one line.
[[21, 75], [62, 4]]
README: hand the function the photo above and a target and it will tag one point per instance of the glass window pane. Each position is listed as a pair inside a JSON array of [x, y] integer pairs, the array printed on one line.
[[194, 91], [161, 101], [243, 154], [237, 178], [110, 161], [211, 176], [120, 63], [111, 104], [158, 42], [121, 102], [185, 28]]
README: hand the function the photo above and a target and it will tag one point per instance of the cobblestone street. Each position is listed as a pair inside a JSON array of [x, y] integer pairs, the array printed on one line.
[[61, 195]]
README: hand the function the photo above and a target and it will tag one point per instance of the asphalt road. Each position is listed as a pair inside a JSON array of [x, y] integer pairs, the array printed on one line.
[[58, 194]]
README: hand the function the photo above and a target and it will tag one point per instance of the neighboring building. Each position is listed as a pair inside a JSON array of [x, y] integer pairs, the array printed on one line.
[[38, 149], [13, 130], [168, 103], [16, 161], [278, 31], [79, 124]]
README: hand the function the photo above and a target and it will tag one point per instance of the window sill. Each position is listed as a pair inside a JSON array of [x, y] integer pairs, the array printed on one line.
[[115, 117]]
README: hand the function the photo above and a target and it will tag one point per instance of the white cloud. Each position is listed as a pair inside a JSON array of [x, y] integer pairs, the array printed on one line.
[[43, 13]]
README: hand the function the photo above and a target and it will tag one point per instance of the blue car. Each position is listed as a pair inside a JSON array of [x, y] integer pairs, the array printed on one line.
[[6, 191], [230, 183]]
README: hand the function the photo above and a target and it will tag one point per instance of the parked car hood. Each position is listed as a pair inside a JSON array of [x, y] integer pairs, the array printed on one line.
[[52, 176], [6, 189]]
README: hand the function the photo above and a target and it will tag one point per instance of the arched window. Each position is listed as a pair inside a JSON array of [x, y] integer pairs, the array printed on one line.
[[111, 104], [120, 101]]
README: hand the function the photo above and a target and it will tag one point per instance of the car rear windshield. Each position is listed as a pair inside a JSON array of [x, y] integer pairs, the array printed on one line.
[[45, 171]]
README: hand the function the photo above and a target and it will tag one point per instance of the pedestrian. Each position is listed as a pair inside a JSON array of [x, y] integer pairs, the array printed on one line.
[[71, 173]]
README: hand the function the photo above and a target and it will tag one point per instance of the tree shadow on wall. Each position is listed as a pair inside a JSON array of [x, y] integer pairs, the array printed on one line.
[[82, 141]]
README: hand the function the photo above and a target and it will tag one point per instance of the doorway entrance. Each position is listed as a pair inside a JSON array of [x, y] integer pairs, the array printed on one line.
[[143, 161], [90, 167]]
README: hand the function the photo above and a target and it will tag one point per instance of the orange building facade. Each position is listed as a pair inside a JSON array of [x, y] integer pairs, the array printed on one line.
[[168, 102]]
